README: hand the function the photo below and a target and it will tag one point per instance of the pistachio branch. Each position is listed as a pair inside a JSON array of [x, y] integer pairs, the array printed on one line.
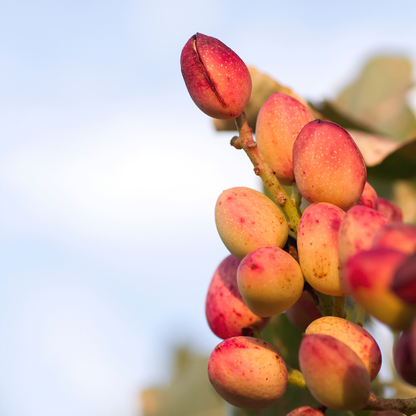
[[406, 406], [339, 306], [358, 314], [324, 303], [246, 142]]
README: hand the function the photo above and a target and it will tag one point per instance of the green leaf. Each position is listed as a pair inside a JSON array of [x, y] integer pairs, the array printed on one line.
[[377, 98], [385, 158], [331, 111], [401, 164]]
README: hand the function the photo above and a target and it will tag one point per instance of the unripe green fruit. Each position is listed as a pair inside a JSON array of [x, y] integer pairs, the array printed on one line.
[[247, 373], [333, 372], [270, 281], [217, 79], [246, 220]]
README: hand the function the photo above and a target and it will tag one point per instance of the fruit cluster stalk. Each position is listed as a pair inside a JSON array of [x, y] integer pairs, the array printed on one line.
[[246, 142]]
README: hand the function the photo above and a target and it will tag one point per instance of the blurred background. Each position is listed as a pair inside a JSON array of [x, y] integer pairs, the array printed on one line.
[[109, 175]]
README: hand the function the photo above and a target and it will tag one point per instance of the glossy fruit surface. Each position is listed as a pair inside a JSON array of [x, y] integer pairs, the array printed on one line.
[[305, 411], [357, 230], [404, 280], [247, 372], [355, 336], [396, 235], [217, 79], [279, 122], [226, 312], [318, 247], [369, 276], [390, 210], [246, 220], [270, 281], [327, 165], [369, 197], [334, 373]]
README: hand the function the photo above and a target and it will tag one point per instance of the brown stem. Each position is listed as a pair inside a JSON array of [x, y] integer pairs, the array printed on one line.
[[406, 406], [246, 142]]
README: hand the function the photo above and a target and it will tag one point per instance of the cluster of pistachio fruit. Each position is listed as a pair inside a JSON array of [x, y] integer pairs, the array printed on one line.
[[347, 242]]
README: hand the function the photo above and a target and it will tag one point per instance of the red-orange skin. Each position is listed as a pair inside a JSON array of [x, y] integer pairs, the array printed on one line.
[[358, 229], [217, 79], [247, 372], [353, 335], [269, 280], [369, 197], [247, 220], [318, 247], [226, 312], [372, 269], [398, 236], [333, 372], [368, 275], [404, 281], [328, 165], [402, 356], [412, 333], [278, 124], [390, 210], [305, 411]]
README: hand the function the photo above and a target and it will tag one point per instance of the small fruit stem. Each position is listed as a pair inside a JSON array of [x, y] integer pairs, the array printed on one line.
[[406, 406], [339, 306], [358, 315], [246, 142], [295, 377], [324, 303], [296, 197], [256, 333]]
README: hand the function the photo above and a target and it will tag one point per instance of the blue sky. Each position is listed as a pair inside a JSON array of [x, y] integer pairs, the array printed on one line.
[[109, 175]]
